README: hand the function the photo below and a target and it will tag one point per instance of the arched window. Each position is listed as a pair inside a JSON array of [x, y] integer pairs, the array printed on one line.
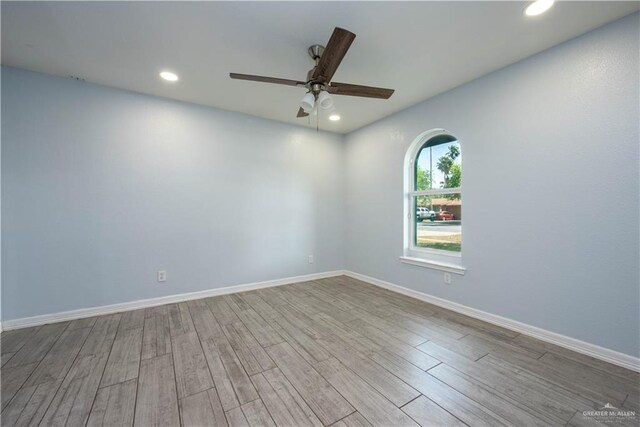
[[433, 199]]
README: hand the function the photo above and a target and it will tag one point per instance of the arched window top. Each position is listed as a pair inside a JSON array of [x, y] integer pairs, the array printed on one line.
[[442, 138], [446, 151], [436, 161], [434, 194]]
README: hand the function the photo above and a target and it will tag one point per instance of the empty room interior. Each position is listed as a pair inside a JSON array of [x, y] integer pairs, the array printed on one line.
[[318, 213]]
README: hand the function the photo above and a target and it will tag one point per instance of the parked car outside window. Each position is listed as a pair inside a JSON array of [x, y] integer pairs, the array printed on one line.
[[425, 213], [444, 216]]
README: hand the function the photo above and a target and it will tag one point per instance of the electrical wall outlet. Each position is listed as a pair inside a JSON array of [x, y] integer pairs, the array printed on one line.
[[162, 276], [311, 261], [447, 278]]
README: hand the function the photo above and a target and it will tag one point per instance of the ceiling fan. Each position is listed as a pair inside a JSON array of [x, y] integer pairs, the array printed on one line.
[[319, 85]]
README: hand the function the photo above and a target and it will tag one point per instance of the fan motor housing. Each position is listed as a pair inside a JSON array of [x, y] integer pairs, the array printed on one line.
[[315, 52]]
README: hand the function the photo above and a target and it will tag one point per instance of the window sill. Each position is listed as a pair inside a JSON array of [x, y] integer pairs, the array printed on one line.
[[435, 265]]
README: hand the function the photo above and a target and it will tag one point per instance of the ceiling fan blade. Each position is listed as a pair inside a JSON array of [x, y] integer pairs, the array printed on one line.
[[266, 79], [357, 90], [333, 53], [301, 113]]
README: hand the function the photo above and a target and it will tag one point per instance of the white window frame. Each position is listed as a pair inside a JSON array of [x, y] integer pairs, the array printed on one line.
[[432, 258]]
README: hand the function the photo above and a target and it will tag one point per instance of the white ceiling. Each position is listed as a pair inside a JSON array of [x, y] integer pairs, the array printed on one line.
[[418, 48]]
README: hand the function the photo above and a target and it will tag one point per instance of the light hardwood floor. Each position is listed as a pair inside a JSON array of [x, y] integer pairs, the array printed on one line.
[[329, 352]]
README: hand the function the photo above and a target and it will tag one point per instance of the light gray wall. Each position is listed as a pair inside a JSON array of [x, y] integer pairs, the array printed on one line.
[[0, 203], [550, 181], [101, 188]]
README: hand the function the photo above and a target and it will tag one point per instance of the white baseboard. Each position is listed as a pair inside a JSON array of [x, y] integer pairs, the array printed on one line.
[[605, 354], [593, 350], [44, 319]]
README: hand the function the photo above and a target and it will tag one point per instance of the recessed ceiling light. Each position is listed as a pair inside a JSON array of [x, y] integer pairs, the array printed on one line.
[[538, 7], [334, 117], [169, 76]]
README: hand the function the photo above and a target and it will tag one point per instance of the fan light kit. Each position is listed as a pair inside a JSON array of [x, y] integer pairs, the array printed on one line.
[[538, 7], [169, 76], [325, 101], [307, 102], [318, 83]]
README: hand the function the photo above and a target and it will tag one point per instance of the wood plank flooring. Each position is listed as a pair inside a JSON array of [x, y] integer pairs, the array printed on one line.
[[332, 352]]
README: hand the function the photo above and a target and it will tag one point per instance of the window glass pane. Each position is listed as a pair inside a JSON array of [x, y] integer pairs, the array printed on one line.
[[438, 222], [438, 164]]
